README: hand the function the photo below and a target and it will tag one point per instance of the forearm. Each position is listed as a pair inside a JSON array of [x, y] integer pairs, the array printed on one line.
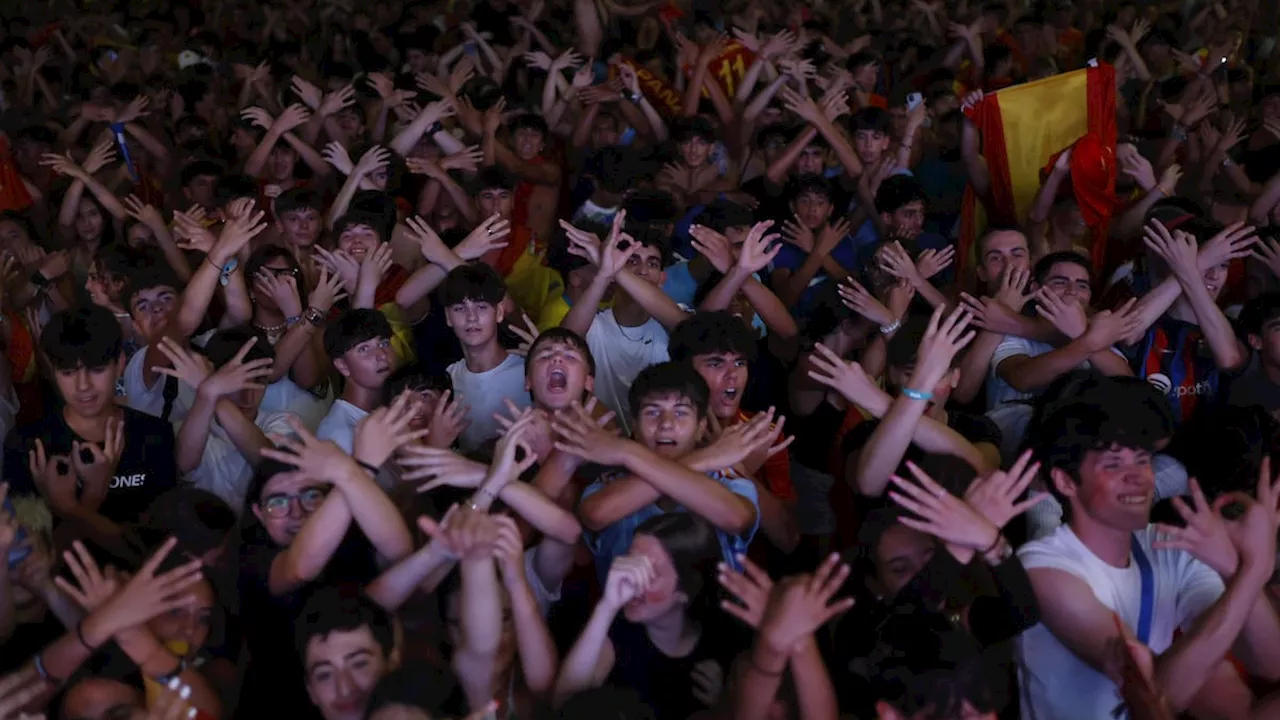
[[586, 120], [480, 607], [396, 584], [343, 200], [154, 660], [402, 144], [749, 81], [618, 499], [657, 125], [194, 433], [420, 284], [1152, 306], [172, 253], [1182, 669], [583, 312], [1130, 223], [537, 650], [581, 667], [778, 169], [314, 546], [1216, 328], [760, 673], [243, 432], [1025, 373], [974, 365], [769, 307], [199, 292], [461, 200], [375, 513], [883, 452], [814, 691], [554, 476], [1045, 198], [308, 155], [291, 348], [691, 489], [541, 512], [652, 299], [71, 204], [777, 520], [1260, 211], [762, 100], [1111, 364], [693, 91], [258, 158], [841, 147]]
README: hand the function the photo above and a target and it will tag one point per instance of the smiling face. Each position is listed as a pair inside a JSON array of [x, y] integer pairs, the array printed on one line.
[[646, 264], [663, 594], [695, 151], [288, 500], [726, 376], [104, 290], [1070, 282], [342, 669], [1116, 488], [358, 241], [558, 375], [367, 364], [151, 310], [88, 392], [669, 424], [475, 322]]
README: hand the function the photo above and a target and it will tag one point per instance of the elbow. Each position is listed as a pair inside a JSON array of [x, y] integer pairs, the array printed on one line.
[[741, 520], [592, 517], [567, 531]]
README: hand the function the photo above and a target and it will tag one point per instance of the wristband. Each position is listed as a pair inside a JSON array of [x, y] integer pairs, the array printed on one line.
[[917, 394], [291, 321], [40, 281], [891, 327], [44, 674], [80, 637], [636, 97], [994, 544], [434, 128], [224, 271], [1178, 132], [1227, 162], [169, 678], [368, 467]]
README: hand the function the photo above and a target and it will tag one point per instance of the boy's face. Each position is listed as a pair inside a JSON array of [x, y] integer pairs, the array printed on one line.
[[906, 222], [695, 151], [865, 77], [350, 122], [280, 163], [1268, 343], [669, 424], [301, 226], [1070, 282], [358, 241], [726, 375], [1001, 252], [812, 161], [558, 375], [417, 60], [495, 200], [367, 364], [527, 143], [288, 500], [89, 392], [152, 309], [342, 669], [814, 208], [870, 145], [201, 191], [475, 322], [604, 133], [1116, 488], [646, 264]]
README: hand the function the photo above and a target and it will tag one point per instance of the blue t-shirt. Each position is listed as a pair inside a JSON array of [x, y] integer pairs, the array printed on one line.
[[615, 540], [791, 258], [681, 287], [867, 238]]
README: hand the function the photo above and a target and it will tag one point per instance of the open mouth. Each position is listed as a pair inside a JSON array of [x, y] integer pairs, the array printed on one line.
[[1136, 500], [557, 381]]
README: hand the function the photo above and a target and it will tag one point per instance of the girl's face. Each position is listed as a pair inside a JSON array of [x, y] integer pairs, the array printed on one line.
[[103, 290], [89, 221], [663, 595], [140, 235], [899, 557], [187, 627]]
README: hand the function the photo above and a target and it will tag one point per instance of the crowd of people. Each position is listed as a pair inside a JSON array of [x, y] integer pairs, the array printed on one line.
[[585, 359]]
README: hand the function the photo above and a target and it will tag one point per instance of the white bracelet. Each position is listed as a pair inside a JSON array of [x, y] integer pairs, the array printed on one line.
[[891, 327]]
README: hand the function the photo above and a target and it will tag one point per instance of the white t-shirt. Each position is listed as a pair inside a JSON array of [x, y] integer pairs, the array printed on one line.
[[339, 425], [285, 396], [225, 472], [150, 399], [487, 393], [620, 354], [1000, 392], [1057, 685], [545, 597]]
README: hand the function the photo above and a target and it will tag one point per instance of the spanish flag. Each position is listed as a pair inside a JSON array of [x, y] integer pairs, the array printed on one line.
[[1024, 128]]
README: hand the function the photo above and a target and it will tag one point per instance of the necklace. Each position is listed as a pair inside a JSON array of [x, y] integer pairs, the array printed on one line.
[[271, 330]]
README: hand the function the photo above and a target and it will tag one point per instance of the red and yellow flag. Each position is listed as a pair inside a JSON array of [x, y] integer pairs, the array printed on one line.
[[1025, 126]]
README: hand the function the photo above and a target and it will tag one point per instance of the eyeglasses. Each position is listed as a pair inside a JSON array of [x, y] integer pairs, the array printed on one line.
[[281, 271], [309, 500]]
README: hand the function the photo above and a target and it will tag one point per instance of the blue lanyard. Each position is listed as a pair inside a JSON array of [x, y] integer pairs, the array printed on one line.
[[1148, 592]]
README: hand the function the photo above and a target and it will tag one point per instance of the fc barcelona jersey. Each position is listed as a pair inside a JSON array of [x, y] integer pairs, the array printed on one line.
[[1174, 357]]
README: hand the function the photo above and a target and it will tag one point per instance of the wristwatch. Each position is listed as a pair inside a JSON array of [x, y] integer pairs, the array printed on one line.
[[313, 316]]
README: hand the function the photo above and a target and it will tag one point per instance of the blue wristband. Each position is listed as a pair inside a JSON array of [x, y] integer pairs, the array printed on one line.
[[917, 394]]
